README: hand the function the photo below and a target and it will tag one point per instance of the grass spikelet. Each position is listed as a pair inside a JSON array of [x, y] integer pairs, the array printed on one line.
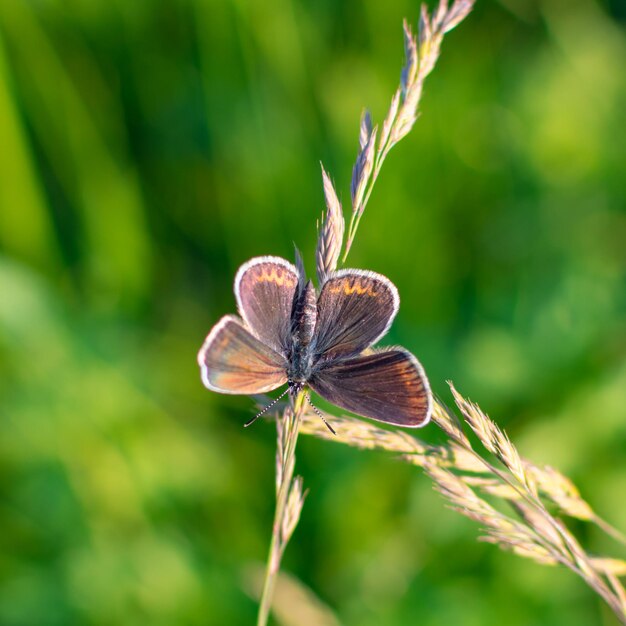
[[295, 502], [463, 459], [493, 487], [562, 492], [541, 524], [391, 117], [449, 423], [493, 438], [362, 170], [525, 549], [365, 130], [330, 237], [464, 498], [478, 421], [616, 567], [459, 11]]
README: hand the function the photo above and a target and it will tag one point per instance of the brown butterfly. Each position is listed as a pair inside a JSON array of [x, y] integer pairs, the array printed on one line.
[[287, 334]]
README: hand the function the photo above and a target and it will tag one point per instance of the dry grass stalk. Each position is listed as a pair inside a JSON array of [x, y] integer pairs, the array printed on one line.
[[421, 58], [289, 499], [468, 477], [463, 475], [421, 54]]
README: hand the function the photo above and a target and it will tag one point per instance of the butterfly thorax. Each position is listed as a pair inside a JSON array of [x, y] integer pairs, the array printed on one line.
[[303, 318]]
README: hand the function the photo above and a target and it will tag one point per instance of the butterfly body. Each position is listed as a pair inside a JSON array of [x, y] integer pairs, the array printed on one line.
[[288, 333], [303, 318]]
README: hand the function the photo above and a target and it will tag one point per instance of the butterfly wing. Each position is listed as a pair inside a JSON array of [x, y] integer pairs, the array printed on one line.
[[233, 361], [355, 309], [264, 289], [388, 385]]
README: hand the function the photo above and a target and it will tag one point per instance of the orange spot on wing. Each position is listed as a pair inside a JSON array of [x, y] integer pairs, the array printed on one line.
[[277, 275], [356, 287]]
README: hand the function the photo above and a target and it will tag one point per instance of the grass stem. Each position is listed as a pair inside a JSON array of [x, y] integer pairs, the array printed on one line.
[[288, 427]]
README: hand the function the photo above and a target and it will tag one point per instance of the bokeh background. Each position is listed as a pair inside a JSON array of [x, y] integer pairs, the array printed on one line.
[[147, 149]]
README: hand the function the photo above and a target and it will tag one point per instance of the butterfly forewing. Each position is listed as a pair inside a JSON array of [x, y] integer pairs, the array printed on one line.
[[387, 385], [232, 360], [264, 289], [355, 309]]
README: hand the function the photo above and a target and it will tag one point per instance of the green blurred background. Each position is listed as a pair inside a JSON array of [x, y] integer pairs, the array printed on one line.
[[147, 149]]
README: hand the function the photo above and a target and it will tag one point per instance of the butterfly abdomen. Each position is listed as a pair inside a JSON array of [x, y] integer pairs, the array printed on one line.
[[304, 315], [303, 318]]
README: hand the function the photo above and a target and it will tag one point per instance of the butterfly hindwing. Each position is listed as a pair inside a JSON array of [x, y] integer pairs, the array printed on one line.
[[233, 361], [355, 308], [387, 385], [264, 289]]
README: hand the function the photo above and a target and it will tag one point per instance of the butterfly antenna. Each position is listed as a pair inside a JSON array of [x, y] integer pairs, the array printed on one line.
[[319, 414], [264, 410]]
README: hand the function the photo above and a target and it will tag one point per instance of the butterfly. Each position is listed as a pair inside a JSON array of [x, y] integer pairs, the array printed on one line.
[[286, 333]]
